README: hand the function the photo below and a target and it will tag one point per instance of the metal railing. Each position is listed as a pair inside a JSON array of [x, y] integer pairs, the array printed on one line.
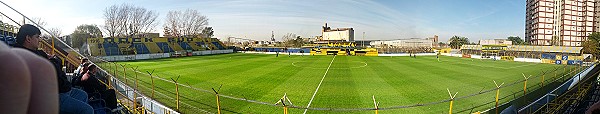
[[127, 94], [555, 75]]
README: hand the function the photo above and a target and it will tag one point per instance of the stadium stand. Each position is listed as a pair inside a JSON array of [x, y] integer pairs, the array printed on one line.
[[140, 48], [219, 46], [202, 45], [164, 46], [391, 50], [153, 48], [269, 49], [176, 46], [98, 47], [185, 46], [8, 33], [194, 46], [298, 50], [210, 46], [130, 46], [111, 49]]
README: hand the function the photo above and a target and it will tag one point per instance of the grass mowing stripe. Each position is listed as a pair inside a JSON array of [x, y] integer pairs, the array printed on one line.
[[341, 82], [316, 90], [273, 75], [395, 81]]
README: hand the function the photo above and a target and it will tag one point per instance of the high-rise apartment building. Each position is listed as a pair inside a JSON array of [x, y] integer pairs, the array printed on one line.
[[560, 22]]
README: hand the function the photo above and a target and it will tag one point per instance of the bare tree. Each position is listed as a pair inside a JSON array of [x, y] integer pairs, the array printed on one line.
[[288, 36], [111, 22], [289, 39], [141, 20], [187, 23], [55, 31], [128, 20], [42, 24], [39, 21]]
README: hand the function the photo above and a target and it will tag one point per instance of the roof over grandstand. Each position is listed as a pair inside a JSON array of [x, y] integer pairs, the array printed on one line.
[[551, 49]]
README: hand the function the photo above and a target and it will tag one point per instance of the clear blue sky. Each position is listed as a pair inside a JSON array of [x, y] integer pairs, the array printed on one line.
[[255, 19]]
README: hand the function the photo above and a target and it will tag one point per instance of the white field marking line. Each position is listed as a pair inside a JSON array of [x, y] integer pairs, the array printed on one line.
[[365, 65], [316, 90]]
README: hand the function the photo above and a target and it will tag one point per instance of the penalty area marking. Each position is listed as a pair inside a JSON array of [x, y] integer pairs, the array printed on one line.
[[316, 90], [364, 65]]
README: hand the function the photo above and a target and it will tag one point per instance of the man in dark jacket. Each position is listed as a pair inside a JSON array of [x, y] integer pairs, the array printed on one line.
[[92, 85], [70, 100]]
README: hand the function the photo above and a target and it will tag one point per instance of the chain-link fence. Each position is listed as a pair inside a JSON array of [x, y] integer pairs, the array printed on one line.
[[180, 96]]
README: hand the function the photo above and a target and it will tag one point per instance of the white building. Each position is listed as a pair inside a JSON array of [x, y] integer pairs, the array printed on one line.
[[411, 42], [560, 22], [495, 42], [337, 34]]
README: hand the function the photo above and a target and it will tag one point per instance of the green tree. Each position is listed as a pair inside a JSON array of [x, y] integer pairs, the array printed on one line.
[[298, 42], [457, 41], [591, 46], [516, 40], [292, 40], [82, 32], [595, 36], [207, 32]]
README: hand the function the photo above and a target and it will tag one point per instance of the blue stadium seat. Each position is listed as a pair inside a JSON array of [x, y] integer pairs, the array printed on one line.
[[99, 106], [218, 45], [164, 47], [2, 39], [10, 40], [111, 49], [306, 50], [185, 46], [140, 48], [293, 50], [201, 44]]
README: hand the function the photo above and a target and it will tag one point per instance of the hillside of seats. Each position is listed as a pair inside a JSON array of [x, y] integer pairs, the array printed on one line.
[[8, 33], [132, 46]]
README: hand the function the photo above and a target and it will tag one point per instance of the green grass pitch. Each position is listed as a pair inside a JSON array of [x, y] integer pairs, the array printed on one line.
[[350, 82]]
